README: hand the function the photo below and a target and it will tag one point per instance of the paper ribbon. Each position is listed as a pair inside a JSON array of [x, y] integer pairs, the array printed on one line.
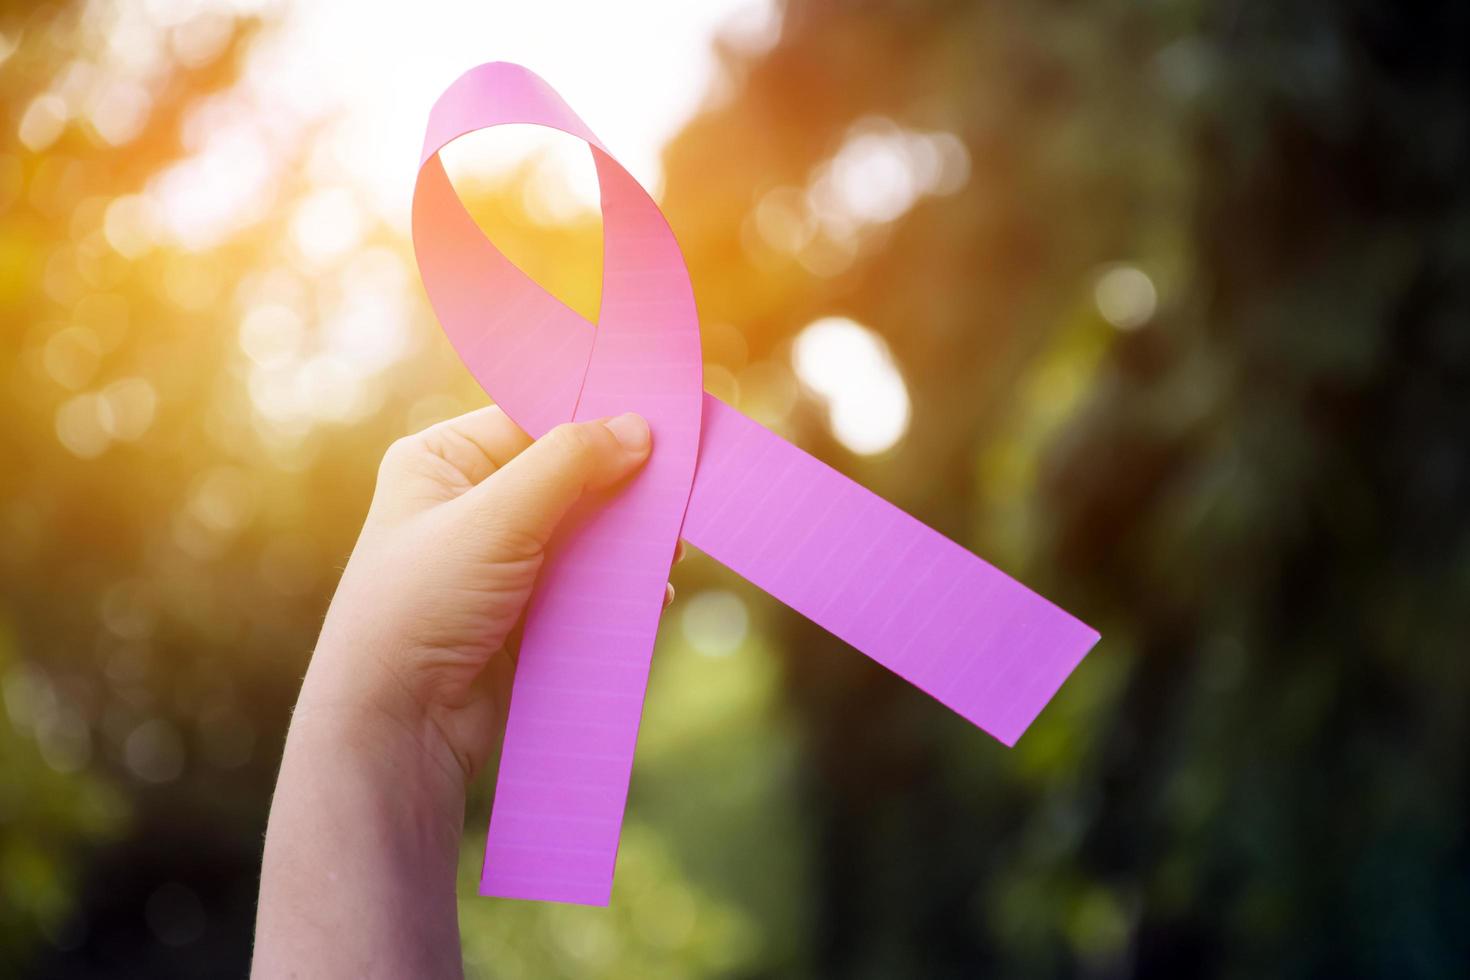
[[901, 593]]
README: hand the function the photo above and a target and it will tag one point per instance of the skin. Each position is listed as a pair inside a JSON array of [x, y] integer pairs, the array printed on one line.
[[401, 703]]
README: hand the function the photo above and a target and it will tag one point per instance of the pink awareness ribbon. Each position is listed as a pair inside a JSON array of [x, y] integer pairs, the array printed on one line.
[[898, 591]]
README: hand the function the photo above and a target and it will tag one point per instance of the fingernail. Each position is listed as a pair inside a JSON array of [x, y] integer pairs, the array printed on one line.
[[631, 432], [668, 595]]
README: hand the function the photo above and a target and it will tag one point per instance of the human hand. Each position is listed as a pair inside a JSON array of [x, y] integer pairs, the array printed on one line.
[[444, 567]]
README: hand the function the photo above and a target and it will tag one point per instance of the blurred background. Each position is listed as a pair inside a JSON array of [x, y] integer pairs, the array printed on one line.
[[1159, 306]]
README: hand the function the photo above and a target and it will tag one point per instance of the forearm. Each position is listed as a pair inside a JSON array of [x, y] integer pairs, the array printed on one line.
[[360, 854]]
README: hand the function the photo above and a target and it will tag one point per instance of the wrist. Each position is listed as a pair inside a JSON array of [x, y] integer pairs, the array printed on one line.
[[359, 869], [370, 723]]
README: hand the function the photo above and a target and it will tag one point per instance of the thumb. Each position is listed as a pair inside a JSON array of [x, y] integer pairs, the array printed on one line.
[[526, 498]]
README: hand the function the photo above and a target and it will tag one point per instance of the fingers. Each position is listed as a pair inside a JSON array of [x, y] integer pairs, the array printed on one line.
[[530, 494], [479, 443], [445, 460], [474, 445]]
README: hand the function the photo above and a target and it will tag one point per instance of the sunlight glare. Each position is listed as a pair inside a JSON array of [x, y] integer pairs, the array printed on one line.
[[42, 122], [380, 86], [852, 370], [561, 185], [130, 225], [79, 427], [206, 198], [271, 335], [715, 622], [327, 225], [881, 171], [126, 408], [1125, 296]]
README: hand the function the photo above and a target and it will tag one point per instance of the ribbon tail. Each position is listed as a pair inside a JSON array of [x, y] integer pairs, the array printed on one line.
[[579, 686], [897, 590]]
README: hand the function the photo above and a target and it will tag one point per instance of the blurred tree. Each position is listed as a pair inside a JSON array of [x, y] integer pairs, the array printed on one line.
[[169, 550], [1187, 352], [1178, 294], [96, 679]]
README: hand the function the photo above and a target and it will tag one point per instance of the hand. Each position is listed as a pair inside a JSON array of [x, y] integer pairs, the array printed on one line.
[[399, 706], [444, 568]]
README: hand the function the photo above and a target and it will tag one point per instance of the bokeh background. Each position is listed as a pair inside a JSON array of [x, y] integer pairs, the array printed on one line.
[[1162, 306]]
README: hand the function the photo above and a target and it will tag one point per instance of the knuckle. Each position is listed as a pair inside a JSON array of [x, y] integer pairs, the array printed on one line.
[[515, 543], [398, 454], [504, 538], [573, 442], [432, 440]]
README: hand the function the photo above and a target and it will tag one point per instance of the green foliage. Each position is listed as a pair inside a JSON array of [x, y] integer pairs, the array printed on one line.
[[1257, 495], [48, 803]]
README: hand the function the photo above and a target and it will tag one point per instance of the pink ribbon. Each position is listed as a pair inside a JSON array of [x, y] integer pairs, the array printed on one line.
[[903, 594]]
